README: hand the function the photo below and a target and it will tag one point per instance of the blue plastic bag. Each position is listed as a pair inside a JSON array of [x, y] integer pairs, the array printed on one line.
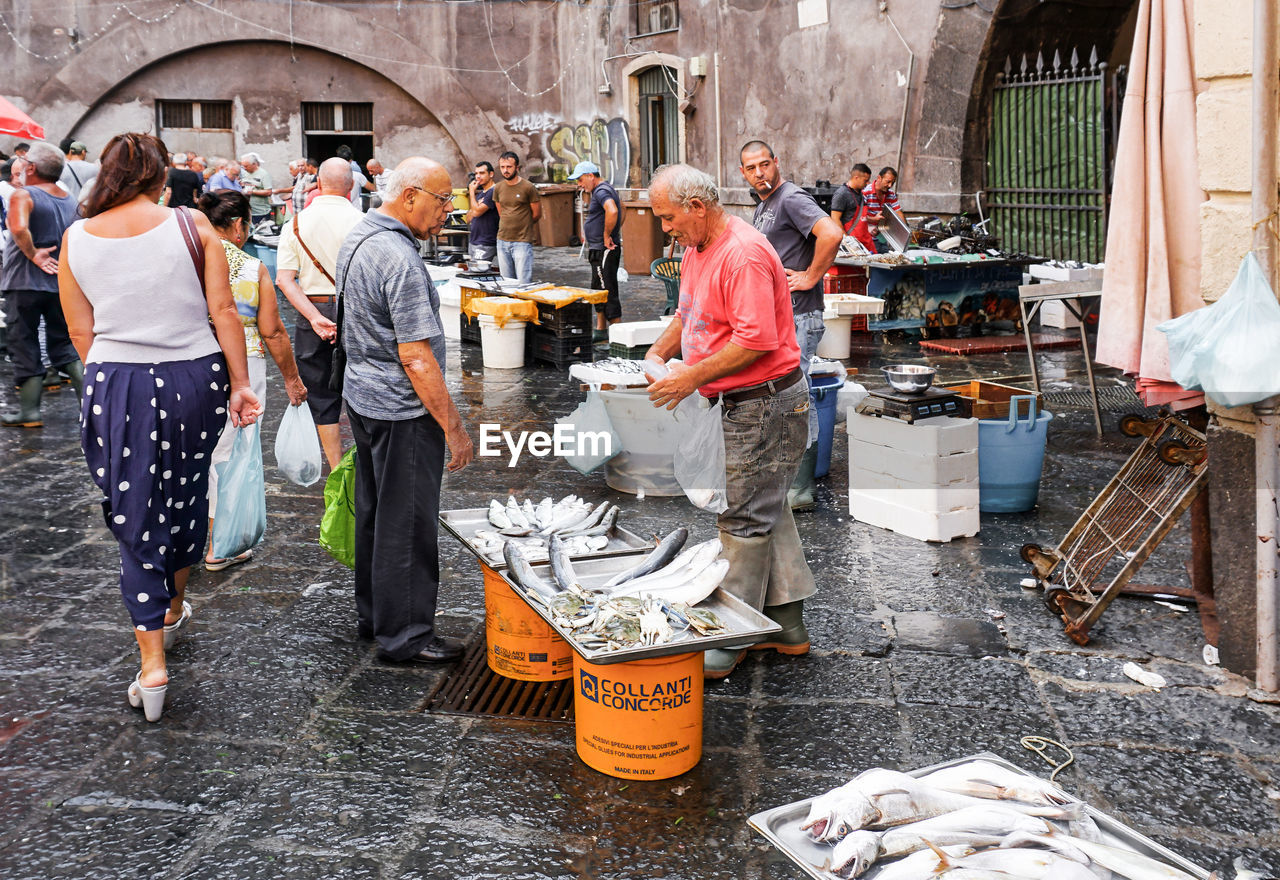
[[242, 497], [298, 446], [1228, 349]]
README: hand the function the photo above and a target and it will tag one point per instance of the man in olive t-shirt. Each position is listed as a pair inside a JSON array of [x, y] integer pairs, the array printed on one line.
[[519, 208]]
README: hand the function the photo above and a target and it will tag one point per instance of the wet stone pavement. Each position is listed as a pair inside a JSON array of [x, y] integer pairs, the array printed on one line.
[[287, 750]]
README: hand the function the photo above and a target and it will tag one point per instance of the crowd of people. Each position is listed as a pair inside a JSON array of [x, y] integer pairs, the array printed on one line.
[[116, 273]]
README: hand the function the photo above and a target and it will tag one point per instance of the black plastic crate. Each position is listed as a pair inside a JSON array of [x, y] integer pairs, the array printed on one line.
[[468, 328], [542, 345], [574, 319], [629, 352]]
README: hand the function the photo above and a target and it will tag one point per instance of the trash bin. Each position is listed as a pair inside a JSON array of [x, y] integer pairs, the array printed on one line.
[[557, 225], [641, 237], [823, 391], [1010, 458]]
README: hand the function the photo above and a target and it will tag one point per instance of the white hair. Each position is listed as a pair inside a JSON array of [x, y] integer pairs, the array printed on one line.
[[405, 177], [684, 183], [252, 157], [179, 159], [47, 160]]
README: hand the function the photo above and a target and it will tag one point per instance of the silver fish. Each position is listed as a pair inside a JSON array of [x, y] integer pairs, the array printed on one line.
[[498, 516], [666, 550], [523, 573], [1124, 862], [985, 779]]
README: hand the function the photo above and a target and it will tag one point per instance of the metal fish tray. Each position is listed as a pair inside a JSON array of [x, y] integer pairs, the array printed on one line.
[[781, 825], [743, 624], [463, 524]]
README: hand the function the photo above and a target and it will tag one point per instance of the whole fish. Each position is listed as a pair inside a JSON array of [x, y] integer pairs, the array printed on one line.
[[604, 527], [568, 519], [1029, 864], [920, 864], [675, 577], [666, 550], [985, 779], [523, 573], [498, 515], [542, 513], [561, 568], [1124, 862], [689, 591], [987, 824]]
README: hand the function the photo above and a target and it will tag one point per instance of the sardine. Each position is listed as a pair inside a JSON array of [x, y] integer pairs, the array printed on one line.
[[984, 779], [1124, 862], [604, 527], [523, 572], [666, 550], [561, 567]]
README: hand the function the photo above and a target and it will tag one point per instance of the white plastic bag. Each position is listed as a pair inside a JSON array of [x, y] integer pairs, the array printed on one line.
[[242, 500], [1229, 349], [298, 446], [623, 276], [699, 458], [848, 397], [589, 435]]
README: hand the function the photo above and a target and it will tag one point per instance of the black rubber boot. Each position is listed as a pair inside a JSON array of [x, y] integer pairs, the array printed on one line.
[[75, 372], [794, 638], [27, 415]]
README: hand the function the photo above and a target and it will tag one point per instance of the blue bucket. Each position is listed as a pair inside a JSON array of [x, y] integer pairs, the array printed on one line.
[[1010, 457], [823, 391]]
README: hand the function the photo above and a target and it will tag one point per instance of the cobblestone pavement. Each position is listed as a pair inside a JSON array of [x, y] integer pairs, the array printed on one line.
[[288, 750]]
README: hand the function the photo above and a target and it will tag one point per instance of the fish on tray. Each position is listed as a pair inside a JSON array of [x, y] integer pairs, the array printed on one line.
[[569, 516]]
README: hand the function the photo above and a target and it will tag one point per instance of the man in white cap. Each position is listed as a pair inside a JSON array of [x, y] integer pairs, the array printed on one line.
[[602, 228]]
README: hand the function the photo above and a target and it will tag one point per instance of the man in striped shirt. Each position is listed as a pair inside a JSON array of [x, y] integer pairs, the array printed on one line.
[[879, 194]]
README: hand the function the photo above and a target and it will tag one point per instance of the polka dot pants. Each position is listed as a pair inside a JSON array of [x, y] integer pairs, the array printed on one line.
[[148, 432]]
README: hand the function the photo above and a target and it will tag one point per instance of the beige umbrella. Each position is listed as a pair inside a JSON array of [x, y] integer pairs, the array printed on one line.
[[1153, 228]]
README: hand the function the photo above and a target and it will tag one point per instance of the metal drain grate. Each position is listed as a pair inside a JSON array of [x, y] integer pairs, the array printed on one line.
[[474, 689], [1114, 398]]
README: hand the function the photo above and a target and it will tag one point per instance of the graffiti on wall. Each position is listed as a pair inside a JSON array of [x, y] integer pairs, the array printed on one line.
[[604, 142]]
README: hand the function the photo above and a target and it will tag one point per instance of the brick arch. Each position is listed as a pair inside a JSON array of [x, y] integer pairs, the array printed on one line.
[[132, 47]]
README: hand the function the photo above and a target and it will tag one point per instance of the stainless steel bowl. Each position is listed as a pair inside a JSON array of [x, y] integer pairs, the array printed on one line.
[[908, 378]]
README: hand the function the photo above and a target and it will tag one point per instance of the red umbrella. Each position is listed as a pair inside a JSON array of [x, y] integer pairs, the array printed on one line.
[[14, 122]]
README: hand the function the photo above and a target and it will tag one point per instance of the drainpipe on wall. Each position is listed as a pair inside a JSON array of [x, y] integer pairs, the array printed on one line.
[[719, 142], [906, 98], [1266, 90]]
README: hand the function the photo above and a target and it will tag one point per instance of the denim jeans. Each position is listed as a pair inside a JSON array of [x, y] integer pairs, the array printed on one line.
[[809, 331], [515, 259], [764, 439]]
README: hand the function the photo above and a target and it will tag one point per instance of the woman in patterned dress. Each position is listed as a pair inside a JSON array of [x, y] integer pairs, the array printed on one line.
[[159, 386], [255, 296]]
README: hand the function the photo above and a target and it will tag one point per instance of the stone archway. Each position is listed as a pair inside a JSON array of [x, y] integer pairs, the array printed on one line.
[[133, 46]]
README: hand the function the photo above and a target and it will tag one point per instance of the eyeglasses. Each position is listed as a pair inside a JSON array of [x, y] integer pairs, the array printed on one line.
[[444, 200]]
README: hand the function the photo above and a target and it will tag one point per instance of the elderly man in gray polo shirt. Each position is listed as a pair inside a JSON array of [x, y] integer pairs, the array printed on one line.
[[401, 413]]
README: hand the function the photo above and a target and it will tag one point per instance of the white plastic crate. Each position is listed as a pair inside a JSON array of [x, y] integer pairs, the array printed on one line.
[[932, 470], [1054, 313], [875, 510], [1061, 273], [938, 436], [932, 498], [635, 333]]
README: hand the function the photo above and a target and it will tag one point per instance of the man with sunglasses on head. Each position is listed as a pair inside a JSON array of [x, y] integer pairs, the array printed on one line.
[[402, 416]]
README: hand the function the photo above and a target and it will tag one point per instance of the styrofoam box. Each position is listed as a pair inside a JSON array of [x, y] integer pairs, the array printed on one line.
[[635, 333], [853, 304], [1061, 273], [1054, 313], [919, 524], [917, 496], [928, 470], [940, 436]]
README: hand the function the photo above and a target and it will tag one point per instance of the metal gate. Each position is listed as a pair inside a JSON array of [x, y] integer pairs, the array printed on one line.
[[1050, 153]]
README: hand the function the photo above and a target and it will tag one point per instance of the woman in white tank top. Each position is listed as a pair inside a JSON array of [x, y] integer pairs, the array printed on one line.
[[159, 384]]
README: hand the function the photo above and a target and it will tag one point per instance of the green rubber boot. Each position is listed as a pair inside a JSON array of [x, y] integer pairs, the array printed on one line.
[[52, 379], [27, 415], [800, 495], [719, 662], [75, 372], [794, 638]]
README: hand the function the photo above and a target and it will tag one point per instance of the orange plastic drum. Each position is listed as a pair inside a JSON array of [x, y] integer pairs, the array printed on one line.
[[520, 643], [642, 719]]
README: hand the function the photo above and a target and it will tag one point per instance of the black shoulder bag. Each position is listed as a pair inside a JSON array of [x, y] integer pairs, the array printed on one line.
[[339, 364]]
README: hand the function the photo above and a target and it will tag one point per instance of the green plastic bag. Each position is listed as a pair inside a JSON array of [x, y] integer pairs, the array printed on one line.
[[338, 526]]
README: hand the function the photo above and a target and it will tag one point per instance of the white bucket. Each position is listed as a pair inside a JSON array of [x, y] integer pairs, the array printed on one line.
[[838, 339], [450, 308], [502, 348]]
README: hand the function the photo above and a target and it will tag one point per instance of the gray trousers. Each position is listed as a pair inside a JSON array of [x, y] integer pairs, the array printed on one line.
[[764, 440]]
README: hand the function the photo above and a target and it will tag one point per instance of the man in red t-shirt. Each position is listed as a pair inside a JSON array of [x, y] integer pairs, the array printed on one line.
[[736, 331]]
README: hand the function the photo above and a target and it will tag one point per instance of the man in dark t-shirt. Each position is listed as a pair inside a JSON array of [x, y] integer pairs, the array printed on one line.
[[182, 184], [806, 240], [482, 216], [847, 206], [602, 228]]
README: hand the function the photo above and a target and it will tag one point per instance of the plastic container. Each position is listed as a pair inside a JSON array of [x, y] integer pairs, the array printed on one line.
[[823, 392], [640, 719], [649, 436], [450, 309], [519, 643], [838, 339], [502, 347], [1010, 458]]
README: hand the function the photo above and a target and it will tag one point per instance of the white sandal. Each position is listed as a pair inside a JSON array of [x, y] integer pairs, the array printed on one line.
[[149, 699], [171, 629]]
